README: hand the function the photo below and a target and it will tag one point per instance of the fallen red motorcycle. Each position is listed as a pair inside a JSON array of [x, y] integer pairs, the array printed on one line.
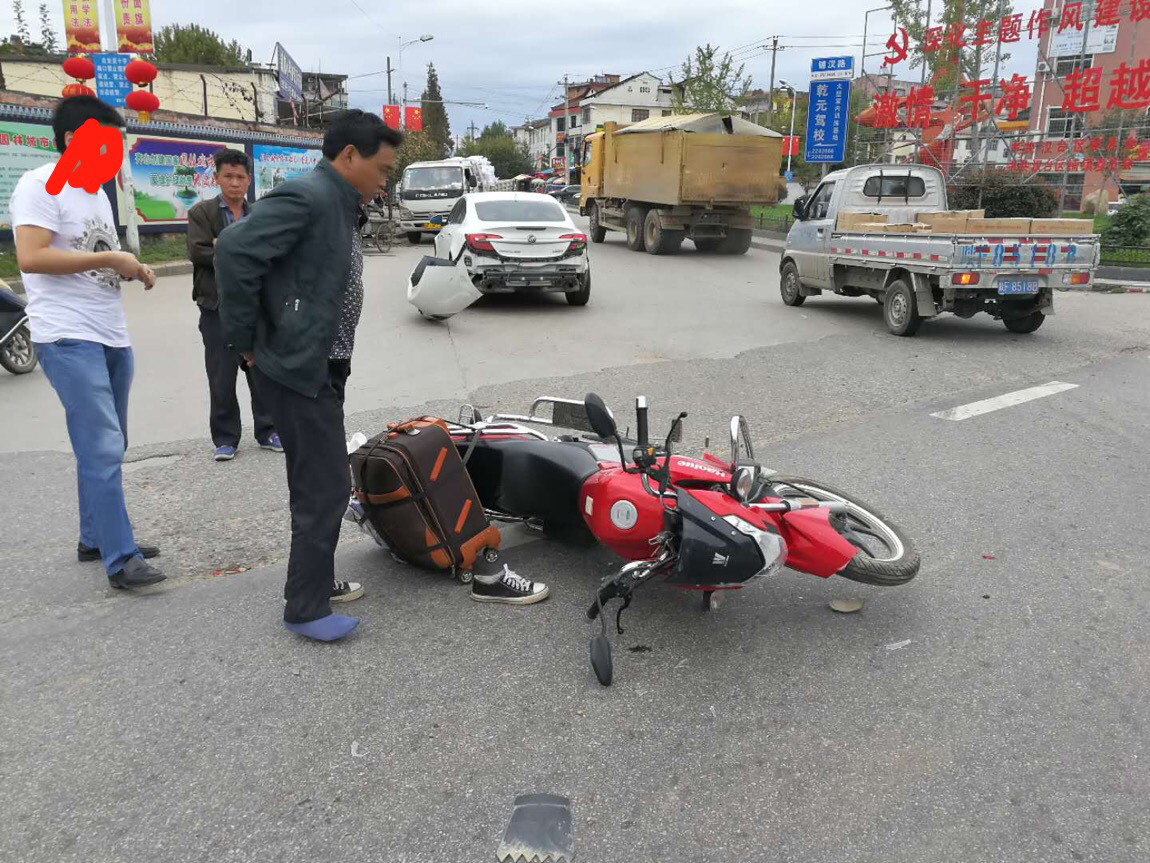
[[709, 525]]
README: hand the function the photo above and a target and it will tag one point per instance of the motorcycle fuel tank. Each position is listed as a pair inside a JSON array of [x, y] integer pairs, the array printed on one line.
[[620, 513]]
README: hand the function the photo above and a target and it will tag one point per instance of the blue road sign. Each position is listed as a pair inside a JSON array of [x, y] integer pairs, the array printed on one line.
[[829, 110], [789, 175], [111, 85]]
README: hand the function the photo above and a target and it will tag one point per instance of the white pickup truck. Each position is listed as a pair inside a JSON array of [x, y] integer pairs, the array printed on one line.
[[1010, 275]]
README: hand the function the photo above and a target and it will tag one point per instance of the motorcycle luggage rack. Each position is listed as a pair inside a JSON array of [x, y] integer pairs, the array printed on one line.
[[565, 413]]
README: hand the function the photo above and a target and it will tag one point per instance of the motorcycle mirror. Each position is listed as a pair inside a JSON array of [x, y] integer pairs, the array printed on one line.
[[741, 447], [601, 659], [599, 416]]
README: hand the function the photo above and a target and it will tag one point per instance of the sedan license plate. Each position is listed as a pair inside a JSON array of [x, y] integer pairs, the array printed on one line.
[[1018, 286]]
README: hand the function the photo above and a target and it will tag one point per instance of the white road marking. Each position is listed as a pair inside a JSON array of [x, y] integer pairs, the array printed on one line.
[[965, 412]]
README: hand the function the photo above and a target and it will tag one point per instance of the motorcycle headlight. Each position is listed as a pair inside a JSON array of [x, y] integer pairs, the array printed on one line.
[[743, 482], [773, 547]]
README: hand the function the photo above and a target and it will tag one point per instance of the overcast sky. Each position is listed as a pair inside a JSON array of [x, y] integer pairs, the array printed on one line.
[[513, 59]]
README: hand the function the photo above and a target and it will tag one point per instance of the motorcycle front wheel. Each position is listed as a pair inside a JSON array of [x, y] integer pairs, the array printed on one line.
[[18, 354], [887, 557]]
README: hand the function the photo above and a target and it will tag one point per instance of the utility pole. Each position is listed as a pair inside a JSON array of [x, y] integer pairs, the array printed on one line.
[[771, 92], [404, 110], [390, 97], [566, 133], [472, 129]]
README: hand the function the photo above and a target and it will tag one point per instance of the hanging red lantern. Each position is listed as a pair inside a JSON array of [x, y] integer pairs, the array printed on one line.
[[77, 90], [80, 68], [140, 72], [143, 103]]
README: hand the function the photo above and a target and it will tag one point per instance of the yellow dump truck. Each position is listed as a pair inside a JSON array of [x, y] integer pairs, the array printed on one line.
[[668, 179]]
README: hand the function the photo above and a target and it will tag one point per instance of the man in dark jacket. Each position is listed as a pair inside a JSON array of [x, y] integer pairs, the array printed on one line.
[[206, 221], [287, 300]]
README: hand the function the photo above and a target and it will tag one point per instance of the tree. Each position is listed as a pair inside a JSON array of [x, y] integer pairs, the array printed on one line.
[[435, 121], [953, 64], [47, 32], [194, 45], [497, 143], [21, 22], [416, 147], [709, 83], [1130, 225]]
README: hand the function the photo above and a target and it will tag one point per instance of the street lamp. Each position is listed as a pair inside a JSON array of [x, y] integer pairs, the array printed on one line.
[[426, 37], [790, 144]]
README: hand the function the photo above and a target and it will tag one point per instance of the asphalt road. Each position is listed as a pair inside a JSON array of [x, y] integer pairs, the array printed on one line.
[[992, 710]]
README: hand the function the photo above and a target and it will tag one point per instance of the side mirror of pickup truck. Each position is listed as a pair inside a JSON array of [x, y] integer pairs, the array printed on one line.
[[799, 210]]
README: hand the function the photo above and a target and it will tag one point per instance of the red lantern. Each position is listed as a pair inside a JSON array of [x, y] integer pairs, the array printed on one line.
[[143, 103], [80, 68], [140, 72], [77, 90]]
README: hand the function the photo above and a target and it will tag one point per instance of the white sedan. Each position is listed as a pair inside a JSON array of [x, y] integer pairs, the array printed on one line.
[[517, 242]]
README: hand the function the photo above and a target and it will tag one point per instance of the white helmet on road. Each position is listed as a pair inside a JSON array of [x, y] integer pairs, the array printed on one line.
[[440, 288]]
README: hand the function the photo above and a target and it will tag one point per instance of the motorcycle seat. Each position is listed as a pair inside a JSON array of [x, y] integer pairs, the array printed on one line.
[[532, 478]]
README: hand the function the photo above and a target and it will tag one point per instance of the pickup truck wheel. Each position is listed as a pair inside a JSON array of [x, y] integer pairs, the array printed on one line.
[[790, 286], [738, 241], [1026, 324], [901, 310], [659, 240], [414, 237], [582, 296], [635, 239], [598, 232]]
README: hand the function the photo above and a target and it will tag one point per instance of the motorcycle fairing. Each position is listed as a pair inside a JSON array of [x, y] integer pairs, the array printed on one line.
[[440, 288], [711, 553]]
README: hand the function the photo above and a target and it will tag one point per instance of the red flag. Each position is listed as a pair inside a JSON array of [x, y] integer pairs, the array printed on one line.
[[391, 115], [414, 120]]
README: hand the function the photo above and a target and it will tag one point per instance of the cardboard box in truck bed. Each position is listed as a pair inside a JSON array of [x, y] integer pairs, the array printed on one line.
[[852, 221], [1061, 227], [1019, 227]]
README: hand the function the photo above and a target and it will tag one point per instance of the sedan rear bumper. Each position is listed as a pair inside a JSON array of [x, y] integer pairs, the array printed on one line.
[[509, 279]]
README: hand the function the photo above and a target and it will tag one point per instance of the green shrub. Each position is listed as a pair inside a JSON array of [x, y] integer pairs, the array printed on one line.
[[1004, 196], [1130, 226]]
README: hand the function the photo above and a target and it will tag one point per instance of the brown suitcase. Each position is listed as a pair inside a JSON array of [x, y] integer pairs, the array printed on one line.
[[417, 493]]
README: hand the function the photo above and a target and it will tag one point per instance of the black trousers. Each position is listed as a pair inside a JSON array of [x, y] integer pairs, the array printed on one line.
[[223, 366], [319, 485]]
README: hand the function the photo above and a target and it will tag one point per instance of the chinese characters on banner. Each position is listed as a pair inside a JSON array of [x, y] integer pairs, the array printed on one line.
[[1083, 91], [82, 26], [1098, 154], [134, 26]]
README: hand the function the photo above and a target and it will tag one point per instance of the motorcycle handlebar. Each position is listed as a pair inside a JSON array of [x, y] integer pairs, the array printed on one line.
[[641, 420], [796, 505]]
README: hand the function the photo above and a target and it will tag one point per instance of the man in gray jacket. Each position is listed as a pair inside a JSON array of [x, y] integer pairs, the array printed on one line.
[[206, 221], [288, 295]]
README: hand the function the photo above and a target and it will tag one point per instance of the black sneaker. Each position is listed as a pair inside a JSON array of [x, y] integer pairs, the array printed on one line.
[[136, 573], [87, 554], [346, 591], [509, 588]]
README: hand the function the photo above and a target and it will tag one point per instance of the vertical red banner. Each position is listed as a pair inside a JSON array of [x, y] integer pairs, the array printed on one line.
[[391, 116], [82, 26], [134, 26], [413, 121]]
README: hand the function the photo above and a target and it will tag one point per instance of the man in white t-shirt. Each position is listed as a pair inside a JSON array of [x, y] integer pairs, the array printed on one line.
[[71, 265]]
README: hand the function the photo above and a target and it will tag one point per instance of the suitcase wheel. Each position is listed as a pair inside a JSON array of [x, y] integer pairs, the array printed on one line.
[[466, 577]]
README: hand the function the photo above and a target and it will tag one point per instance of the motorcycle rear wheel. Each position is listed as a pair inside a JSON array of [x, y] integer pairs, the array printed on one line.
[[18, 354], [887, 556]]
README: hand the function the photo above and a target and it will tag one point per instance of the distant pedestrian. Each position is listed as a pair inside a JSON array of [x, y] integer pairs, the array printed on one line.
[[68, 252], [290, 284], [206, 221]]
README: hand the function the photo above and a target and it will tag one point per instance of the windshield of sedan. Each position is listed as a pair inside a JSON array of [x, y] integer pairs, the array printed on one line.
[[438, 179], [543, 210]]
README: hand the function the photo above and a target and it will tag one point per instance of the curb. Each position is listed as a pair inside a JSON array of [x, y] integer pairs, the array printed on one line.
[[171, 268]]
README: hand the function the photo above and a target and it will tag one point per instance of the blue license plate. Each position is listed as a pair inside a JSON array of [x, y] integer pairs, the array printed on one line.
[[1018, 286]]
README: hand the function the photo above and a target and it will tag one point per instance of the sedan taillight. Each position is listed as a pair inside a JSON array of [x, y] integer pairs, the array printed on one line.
[[578, 242], [482, 242]]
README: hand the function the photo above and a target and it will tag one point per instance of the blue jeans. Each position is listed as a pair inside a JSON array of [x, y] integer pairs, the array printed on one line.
[[92, 382]]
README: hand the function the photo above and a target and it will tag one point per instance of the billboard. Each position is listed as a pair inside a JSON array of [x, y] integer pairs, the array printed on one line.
[[289, 75], [82, 26], [23, 146], [827, 109], [170, 176], [1068, 43], [274, 165], [134, 26]]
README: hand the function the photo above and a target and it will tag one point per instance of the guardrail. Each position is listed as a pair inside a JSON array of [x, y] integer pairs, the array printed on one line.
[[1126, 256], [779, 224]]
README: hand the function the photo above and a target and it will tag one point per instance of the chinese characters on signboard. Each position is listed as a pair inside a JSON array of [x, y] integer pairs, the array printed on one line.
[[827, 115], [289, 74], [134, 26], [82, 26]]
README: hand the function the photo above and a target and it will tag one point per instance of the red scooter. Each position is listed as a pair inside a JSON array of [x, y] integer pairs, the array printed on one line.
[[708, 525]]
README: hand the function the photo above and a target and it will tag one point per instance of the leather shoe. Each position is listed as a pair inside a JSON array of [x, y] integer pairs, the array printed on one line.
[[87, 554], [136, 573]]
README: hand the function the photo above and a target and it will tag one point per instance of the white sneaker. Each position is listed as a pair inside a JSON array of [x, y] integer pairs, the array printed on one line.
[[346, 591], [508, 587]]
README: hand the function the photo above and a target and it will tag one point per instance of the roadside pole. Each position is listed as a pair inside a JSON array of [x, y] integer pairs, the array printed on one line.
[[127, 189]]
